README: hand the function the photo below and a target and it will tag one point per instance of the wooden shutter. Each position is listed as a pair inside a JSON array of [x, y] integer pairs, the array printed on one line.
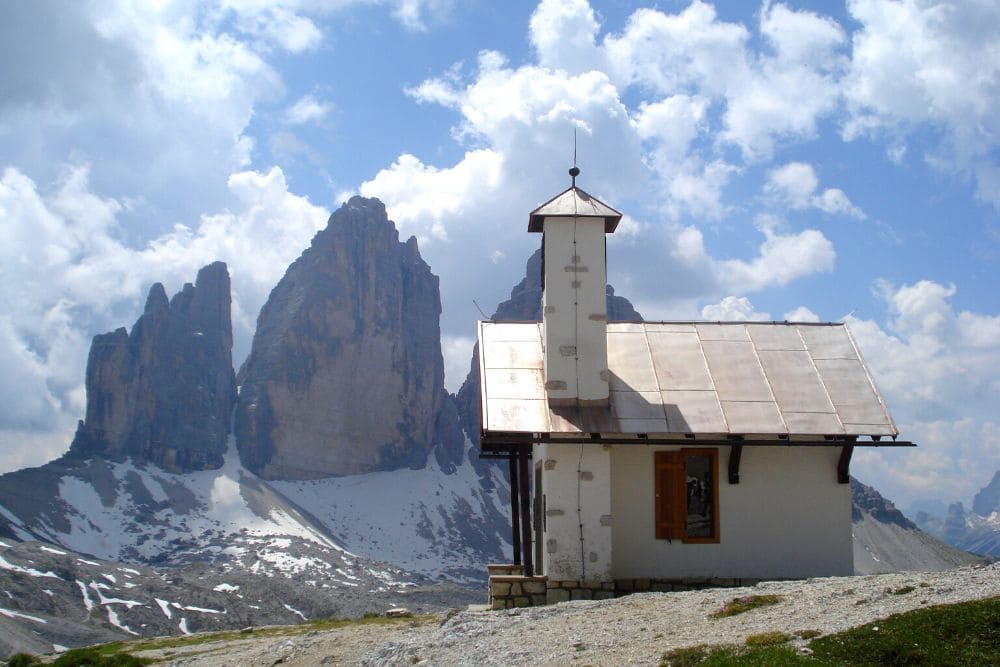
[[671, 496]]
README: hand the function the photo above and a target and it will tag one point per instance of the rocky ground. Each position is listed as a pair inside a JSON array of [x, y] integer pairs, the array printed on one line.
[[51, 598], [637, 629]]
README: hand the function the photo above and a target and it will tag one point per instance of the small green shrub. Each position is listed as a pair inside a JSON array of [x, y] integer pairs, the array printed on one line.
[[685, 657], [746, 603], [807, 634], [22, 660], [903, 590], [94, 657], [775, 638]]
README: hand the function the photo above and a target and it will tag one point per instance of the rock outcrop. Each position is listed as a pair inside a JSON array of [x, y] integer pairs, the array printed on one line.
[[987, 501], [524, 304], [966, 530], [164, 392], [345, 375], [866, 500]]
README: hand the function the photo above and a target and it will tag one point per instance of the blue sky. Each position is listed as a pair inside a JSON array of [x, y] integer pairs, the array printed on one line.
[[800, 160]]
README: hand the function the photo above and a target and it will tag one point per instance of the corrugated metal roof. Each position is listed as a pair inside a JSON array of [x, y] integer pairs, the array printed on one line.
[[574, 202], [678, 379]]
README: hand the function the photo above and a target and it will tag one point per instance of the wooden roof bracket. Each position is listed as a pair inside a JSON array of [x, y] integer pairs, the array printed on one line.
[[735, 453], [844, 464]]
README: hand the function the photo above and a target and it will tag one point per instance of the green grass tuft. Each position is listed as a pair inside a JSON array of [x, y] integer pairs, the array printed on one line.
[[903, 590], [22, 660], [746, 603], [775, 638], [963, 634], [732, 656], [967, 633], [685, 657], [807, 634]]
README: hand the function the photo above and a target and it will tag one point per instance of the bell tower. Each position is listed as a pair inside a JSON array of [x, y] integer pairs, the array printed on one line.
[[573, 225]]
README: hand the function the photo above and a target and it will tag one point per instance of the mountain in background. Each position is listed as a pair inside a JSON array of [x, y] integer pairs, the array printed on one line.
[[152, 480], [345, 375], [164, 393], [886, 541], [987, 501], [976, 530], [344, 387]]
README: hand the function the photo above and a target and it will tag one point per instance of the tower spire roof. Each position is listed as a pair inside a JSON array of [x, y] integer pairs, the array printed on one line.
[[574, 202]]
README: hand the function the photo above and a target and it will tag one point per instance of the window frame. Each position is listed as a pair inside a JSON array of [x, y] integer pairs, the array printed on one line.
[[670, 481]]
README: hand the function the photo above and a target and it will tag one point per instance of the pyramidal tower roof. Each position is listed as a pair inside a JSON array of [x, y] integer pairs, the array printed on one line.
[[574, 202]]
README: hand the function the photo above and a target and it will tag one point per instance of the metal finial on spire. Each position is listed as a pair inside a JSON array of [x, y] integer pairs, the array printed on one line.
[[574, 171]]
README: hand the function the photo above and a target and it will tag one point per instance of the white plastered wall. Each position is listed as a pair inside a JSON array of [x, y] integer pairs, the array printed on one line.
[[787, 518], [574, 310], [576, 481]]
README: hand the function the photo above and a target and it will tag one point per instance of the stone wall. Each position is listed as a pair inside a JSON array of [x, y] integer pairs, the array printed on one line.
[[509, 588]]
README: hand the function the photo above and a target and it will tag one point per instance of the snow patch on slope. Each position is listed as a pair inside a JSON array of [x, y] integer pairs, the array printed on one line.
[[31, 572], [205, 505], [115, 621], [16, 524], [14, 614], [424, 520]]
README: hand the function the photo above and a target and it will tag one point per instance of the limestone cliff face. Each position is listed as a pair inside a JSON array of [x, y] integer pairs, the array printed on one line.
[[165, 392], [345, 375], [524, 304]]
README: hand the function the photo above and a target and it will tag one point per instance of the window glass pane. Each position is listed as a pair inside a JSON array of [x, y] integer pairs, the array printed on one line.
[[698, 470]]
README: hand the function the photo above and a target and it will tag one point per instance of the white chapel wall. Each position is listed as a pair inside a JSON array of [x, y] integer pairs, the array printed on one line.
[[787, 518], [564, 474]]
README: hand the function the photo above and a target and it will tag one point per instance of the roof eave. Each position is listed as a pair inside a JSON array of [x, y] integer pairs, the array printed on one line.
[[537, 217]]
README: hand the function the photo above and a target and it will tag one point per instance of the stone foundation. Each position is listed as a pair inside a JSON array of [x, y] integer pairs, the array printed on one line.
[[563, 591], [509, 588]]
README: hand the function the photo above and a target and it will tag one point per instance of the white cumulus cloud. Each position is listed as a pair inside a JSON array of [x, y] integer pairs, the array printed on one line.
[[307, 109], [938, 369], [917, 63], [733, 309], [795, 185]]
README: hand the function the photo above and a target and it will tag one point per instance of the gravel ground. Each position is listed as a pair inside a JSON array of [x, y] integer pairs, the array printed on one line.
[[633, 630]]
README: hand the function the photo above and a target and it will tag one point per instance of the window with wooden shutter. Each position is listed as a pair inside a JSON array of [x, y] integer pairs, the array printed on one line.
[[687, 495]]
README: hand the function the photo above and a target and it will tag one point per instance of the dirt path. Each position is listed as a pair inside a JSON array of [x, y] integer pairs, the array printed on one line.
[[292, 647]]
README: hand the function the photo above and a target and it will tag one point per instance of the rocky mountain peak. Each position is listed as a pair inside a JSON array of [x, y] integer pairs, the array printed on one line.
[[164, 392], [865, 499], [157, 299], [987, 500], [345, 375]]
